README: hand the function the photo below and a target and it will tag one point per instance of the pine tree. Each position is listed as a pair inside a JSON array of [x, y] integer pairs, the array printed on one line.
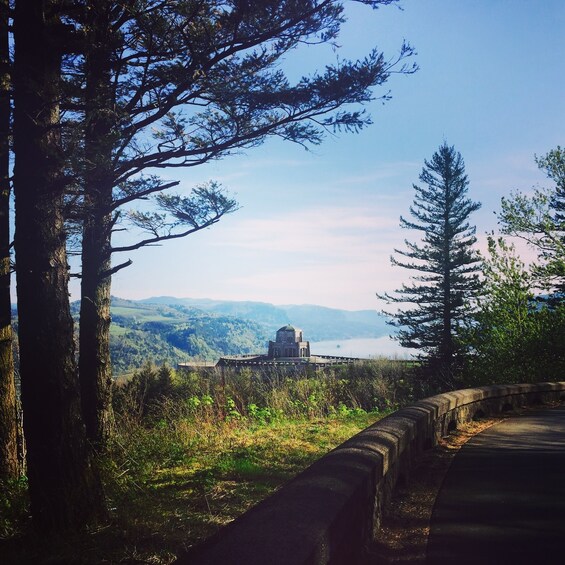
[[168, 84], [9, 461], [445, 260], [64, 486]]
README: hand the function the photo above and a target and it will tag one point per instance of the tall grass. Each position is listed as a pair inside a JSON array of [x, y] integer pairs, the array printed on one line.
[[189, 451], [231, 437], [368, 385]]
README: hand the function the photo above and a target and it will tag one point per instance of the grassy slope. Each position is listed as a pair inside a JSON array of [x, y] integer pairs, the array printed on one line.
[[218, 471], [191, 451]]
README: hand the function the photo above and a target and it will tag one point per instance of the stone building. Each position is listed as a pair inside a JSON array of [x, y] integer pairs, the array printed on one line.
[[289, 342], [289, 353]]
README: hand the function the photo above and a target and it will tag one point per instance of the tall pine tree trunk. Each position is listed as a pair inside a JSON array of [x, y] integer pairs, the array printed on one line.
[[94, 338], [9, 462], [446, 347], [65, 490], [94, 343]]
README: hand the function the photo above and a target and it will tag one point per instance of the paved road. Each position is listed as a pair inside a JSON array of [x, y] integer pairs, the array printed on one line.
[[503, 499]]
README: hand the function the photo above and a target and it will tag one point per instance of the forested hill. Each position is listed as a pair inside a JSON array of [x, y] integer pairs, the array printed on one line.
[[176, 329], [318, 322]]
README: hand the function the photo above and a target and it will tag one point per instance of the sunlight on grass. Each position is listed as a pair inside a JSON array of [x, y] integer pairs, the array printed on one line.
[[234, 466], [189, 453]]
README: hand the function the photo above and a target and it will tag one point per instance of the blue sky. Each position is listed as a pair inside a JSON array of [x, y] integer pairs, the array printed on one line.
[[319, 226]]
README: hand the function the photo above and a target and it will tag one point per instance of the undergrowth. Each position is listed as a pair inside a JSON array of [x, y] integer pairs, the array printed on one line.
[[189, 452]]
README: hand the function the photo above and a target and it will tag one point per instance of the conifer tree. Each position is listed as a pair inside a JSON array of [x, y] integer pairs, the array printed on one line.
[[9, 461], [445, 261], [169, 84], [64, 486]]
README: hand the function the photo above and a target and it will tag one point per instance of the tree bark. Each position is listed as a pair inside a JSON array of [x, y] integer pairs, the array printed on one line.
[[9, 461], [95, 367], [65, 490]]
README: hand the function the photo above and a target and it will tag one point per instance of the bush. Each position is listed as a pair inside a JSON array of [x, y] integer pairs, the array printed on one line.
[[13, 506], [165, 418], [263, 396]]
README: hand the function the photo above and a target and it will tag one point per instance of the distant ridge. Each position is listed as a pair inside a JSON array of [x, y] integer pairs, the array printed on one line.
[[166, 329], [318, 322]]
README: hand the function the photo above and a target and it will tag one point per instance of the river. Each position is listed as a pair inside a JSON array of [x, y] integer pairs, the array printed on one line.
[[363, 347]]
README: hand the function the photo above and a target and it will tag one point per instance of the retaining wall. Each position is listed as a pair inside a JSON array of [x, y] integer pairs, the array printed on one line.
[[331, 511]]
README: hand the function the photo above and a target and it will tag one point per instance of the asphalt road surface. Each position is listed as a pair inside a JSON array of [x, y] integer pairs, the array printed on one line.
[[503, 498]]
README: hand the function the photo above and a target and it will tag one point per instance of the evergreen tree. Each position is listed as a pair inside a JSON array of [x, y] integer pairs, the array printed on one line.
[[445, 260], [64, 486], [168, 84], [9, 461], [156, 84]]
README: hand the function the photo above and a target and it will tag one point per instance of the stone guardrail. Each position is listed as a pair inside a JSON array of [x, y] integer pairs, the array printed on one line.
[[330, 512]]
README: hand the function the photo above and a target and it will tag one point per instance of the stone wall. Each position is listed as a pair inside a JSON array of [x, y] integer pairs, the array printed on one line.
[[330, 512]]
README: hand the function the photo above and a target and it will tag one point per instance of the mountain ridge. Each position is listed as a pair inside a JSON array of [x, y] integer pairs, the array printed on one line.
[[319, 323], [171, 330]]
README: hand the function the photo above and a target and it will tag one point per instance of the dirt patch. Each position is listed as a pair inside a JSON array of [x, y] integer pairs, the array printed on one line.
[[406, 522]]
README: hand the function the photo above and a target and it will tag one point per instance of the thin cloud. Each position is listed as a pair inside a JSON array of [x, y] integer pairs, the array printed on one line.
[[325, 231], [385, 171], [327, 284]]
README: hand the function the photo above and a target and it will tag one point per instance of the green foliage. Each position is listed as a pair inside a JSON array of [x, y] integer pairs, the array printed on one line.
[[263, 415], [320, 323], [381, 385], [171, 334], [14, 504], [539, 219], [164, 419], [226, 439], [516, 335], [130, 349], [144, 390], [180, 215], [191, 450], [172, 330], [513, 337], [447, 283], [261, 398]]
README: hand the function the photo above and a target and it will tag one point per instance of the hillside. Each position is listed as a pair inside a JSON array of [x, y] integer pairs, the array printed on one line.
[[172, 333], [166, 329], [318, 322]]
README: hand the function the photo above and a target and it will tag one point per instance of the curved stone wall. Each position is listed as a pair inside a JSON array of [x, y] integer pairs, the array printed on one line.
[[330, 512]]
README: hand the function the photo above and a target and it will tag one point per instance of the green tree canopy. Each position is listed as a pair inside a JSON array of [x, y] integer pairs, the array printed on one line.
[[512, 337], [176, 83], [539, 219], [106, 94]]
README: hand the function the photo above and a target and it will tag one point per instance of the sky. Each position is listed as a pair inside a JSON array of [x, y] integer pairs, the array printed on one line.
[[319, 226]]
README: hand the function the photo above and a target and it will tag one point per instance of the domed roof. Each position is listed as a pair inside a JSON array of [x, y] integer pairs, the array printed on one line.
[[287, 328]]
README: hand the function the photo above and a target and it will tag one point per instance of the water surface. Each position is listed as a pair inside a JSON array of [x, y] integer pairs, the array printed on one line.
[[363, 347]]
